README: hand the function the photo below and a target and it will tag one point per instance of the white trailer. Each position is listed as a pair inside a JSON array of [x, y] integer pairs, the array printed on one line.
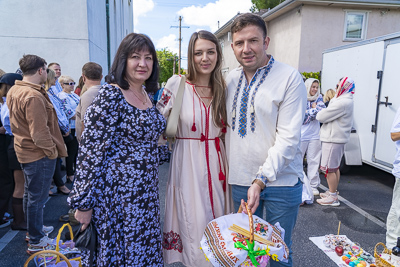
[[374, 65]]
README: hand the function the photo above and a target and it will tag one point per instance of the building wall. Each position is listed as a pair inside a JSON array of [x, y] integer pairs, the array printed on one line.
[[229, 60], [70, 32], [318, 33], [285, 34]]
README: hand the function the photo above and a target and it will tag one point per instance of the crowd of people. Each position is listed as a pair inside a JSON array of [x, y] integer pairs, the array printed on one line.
[[239, 139]]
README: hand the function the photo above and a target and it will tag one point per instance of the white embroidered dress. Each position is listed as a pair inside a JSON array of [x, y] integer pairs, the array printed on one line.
[[195, 194]]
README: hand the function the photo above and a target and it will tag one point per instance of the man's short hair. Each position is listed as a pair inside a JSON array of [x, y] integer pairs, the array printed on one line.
[[53, 63], [92, 71], [29, 64], [247, 19]]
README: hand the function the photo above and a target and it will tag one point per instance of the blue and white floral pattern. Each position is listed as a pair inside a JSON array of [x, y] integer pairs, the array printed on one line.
[[117, 176]]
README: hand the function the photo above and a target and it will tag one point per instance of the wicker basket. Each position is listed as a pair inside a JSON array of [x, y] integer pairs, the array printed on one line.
[[378, 259], [251, 223], [47, 252]]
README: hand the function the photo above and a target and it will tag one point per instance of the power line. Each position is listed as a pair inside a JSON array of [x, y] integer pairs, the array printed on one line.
[[180, 41]]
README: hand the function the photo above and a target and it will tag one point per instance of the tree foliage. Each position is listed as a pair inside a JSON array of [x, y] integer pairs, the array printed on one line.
[[263, 4], [166, 62]]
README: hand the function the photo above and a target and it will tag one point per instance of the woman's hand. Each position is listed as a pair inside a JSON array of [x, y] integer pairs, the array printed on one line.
[[314, 105], [84, 217]]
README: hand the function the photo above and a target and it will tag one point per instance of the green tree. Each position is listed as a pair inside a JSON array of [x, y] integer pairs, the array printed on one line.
[[263, 4], [166, 62]]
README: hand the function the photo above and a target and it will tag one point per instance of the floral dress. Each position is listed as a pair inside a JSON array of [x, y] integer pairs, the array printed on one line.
[[117, 176]]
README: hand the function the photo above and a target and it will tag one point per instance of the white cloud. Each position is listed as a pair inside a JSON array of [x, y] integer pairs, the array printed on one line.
[[170, 42], [210, 14], [140, 8]]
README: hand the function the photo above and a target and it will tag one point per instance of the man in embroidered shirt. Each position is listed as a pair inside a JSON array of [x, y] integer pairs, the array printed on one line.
[[57, 69], [37, 142], [265, 104]]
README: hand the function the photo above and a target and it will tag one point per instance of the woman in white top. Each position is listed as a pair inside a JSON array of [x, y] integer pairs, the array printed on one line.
[[72, 101], [337, 121], [310, 142]]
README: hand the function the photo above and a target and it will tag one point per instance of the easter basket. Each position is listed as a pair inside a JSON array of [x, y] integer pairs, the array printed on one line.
[[226, 242], [65, 254], [379, 261]]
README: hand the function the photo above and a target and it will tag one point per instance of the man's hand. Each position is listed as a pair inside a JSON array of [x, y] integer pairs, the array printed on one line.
[[65, 135], [84, 217], [253, 198]]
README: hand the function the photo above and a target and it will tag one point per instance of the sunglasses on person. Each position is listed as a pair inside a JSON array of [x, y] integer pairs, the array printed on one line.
[[71, 83]]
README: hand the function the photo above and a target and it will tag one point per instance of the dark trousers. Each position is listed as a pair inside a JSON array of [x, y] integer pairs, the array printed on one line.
[[72, 149], [38, 176], [6, 177], [57, 177]]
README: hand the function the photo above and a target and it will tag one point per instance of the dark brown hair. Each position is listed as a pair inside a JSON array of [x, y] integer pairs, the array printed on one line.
[[132, 43], [247, 19], [92, 71], [216, 80], [29, 64]]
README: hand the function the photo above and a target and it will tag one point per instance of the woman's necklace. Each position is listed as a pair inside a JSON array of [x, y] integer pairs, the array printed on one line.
[[145, 100], [202, 95]]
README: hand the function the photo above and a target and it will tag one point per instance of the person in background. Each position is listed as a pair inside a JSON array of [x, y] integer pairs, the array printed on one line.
[[116, 184], [310, 142], [266, 103], [57, 69], [393, 218], [72, 101], [80, 86], [198, 153], [329, 94], [37, 142], [9, 165], [92, 75], [59, 106], [337, 120]]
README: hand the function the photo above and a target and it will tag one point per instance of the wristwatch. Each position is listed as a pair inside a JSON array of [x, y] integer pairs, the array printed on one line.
[[259, 183]]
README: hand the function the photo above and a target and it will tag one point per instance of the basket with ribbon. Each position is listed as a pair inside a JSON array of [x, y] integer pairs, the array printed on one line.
[[65, 253], [227, 242]]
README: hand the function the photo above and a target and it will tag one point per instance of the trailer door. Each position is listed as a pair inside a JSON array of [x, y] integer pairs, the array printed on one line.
[[387, 104]]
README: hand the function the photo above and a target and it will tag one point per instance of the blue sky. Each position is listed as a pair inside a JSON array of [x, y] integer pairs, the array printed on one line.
[[155, 18]]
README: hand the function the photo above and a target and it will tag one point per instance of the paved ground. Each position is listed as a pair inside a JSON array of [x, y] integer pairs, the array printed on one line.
[[367, 196]]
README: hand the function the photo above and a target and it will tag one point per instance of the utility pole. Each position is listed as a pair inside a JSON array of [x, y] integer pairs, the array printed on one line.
[[180, 41]]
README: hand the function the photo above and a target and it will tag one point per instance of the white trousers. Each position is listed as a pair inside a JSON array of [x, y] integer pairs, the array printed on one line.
[[393, 219], [313, 149]]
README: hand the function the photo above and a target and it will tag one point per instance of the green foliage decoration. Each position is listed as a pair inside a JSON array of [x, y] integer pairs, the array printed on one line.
[[166, 62]]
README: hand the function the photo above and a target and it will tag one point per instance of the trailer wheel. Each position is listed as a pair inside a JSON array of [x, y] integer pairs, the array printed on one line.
[[343, 168]]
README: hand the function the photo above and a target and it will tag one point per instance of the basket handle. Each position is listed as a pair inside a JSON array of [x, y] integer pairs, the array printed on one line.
[[251, 224], [59, 237], [50, 252]]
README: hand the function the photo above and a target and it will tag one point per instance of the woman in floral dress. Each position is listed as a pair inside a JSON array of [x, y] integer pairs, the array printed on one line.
[[117, 170], [197, 191]]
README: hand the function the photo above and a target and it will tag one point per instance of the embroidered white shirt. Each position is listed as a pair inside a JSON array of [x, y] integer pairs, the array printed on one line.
[[269, 144]]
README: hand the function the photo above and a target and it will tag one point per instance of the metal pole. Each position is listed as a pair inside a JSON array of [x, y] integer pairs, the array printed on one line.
[[173, 67], [180, 41]]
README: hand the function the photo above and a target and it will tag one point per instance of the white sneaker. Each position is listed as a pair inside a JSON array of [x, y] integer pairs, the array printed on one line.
[[329, 201], [326, 194], [315, 192], [44, 243]]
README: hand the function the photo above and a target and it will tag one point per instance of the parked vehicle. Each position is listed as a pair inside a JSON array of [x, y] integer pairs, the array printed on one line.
[[374, 65]]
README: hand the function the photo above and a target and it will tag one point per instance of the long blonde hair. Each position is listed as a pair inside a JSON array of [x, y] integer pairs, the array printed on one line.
[[50, 76], [218, 85], [330, 93]]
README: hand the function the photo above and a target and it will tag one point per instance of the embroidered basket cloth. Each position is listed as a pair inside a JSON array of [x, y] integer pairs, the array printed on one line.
[[224, 247]]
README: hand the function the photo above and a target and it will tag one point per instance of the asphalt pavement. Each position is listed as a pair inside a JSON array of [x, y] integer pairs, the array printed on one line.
[[365, 192]]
